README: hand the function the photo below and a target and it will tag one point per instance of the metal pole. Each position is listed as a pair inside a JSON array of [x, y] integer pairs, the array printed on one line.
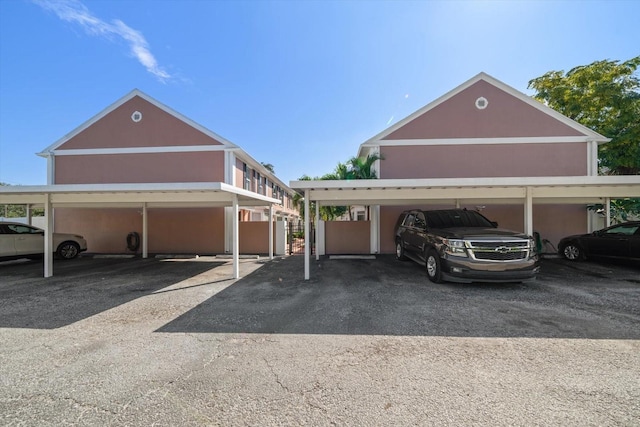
[[145, 228], [270, 231], [528, 212], [307, 251], [316, 225], [235, 238], [48, 236]]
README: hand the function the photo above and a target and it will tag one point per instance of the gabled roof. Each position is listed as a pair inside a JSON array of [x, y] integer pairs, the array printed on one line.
[[588, 133], [121, 101], [239, 152]]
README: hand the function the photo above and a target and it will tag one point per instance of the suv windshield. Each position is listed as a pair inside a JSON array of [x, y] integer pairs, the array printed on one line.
[[456, 218]]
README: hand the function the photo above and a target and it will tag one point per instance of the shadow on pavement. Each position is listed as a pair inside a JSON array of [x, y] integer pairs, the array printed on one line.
[[388, 297], [82, 287]]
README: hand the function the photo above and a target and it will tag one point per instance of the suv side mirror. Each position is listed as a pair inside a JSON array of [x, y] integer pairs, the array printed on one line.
[[494, 223]]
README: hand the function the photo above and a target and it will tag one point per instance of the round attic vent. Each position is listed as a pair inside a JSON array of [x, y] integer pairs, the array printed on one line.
[[136, 116], [481, 103]]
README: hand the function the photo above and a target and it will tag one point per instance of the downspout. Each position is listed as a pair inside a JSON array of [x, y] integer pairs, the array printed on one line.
[[51, 168]]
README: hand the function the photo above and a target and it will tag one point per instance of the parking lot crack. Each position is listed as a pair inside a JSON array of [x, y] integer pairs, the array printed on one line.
[[276, 376]]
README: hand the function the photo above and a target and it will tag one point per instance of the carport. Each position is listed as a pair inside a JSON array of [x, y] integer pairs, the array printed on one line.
[[525, 191], [142, 196]]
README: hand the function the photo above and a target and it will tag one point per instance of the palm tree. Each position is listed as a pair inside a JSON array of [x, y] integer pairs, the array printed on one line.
[[298, 199], [362, 168], [329, 213]]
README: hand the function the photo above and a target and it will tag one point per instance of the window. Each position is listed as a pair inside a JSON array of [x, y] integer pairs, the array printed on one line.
[[259, 179], [627, 230], [247, 177], [408, 221], [481, 103], [22, 229], [420, 222]]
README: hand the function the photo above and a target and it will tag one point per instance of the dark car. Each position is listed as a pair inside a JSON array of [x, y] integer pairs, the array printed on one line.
[[460, 245], [618, 241]]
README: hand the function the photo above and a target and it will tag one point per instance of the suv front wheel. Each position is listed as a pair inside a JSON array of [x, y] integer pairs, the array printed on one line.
[[400, 251], [434, 271]]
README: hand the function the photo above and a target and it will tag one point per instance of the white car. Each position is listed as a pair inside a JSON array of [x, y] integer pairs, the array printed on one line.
[[25, 241]]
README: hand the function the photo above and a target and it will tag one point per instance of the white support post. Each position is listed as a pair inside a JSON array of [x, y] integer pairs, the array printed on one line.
[[374, 229], [457, 204], [228, 226], [29, 214], [235, 238], [145, 234], [306, 235], [316, 222], [271, 231], [528, 212], [607, 210], [48, 237]]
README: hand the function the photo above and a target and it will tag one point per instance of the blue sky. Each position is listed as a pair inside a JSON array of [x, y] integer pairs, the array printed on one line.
[[298, 84]]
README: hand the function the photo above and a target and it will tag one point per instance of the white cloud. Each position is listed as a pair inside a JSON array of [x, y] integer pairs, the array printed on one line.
[[75, 12]]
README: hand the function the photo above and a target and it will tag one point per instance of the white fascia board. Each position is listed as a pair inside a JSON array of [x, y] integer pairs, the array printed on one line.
[[506, 88], [139, 150], [466, 182], [389, 195], [421, 111], [248, 194], [129, 193], [476, 141], [118, 103], [245, 157], [545, 109], [601, 191], [89, 122]]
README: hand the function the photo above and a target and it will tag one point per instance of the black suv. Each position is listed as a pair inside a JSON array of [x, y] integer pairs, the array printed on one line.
[[459, 245]]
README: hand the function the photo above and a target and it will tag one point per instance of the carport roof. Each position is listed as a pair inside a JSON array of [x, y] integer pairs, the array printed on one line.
[[190, 194], [501, 190]]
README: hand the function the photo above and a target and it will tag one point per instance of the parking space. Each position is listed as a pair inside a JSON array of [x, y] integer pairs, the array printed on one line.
[[84, 287], [388, 297], [177, 341]]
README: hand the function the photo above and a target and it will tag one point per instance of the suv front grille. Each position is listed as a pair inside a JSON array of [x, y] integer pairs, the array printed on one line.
[[499, 250]]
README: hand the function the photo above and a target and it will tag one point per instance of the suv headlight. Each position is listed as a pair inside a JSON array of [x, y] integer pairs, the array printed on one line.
[[455, 247]]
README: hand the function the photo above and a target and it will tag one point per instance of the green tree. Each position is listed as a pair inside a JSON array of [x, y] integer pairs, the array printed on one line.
[[605, 97], [298, 199], [269, 167], [329, 213], [17, 211]]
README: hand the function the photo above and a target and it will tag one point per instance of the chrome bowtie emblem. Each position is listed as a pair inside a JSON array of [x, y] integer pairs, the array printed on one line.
[[502, 249]]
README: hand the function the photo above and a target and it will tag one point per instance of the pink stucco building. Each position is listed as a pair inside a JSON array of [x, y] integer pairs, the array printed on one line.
[[484, 146], [138, 140]]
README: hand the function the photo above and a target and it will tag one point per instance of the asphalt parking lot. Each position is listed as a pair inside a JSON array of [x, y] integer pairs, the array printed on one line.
[[364, 342]]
